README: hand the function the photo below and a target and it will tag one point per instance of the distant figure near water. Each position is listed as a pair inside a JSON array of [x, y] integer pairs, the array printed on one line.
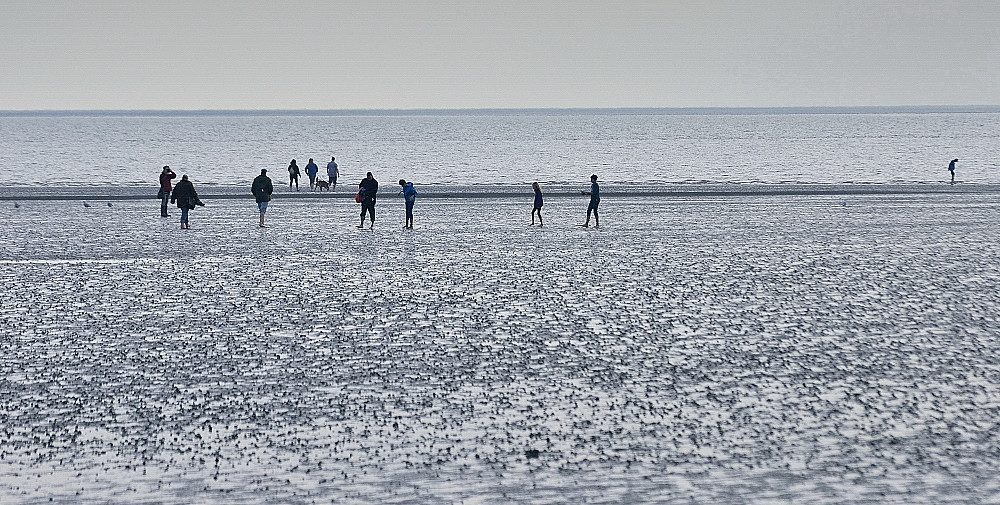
[[293, 175], [537, 206], [332, 172], [187, 199], [951, 168], [311, 171], [367, 190], [595, 200], [165, 188], [409, 196], [262, 189]]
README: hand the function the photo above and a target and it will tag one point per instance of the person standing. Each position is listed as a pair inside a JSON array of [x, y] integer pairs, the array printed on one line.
[[293, 175], [332, 172], [186, 198], [951, 168], [311, 171], [165, 188], [262, 189], [409, 196], [368, 189], [595, 200], [537, 207]]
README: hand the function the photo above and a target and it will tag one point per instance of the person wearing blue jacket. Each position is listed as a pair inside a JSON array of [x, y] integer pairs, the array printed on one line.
[[311, 171], [409, 196]]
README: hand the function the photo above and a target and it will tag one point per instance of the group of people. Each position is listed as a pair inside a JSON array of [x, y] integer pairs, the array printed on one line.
[[186, 198], [312, 170], [262, 188]]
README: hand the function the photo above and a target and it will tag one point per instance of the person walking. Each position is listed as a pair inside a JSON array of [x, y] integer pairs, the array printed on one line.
[[165, 188], [951, 168], [311, 171], [332, 172], [409, 196], [595, 200], [293, 175], [262, 189], [186, 198], [368, 189], [537, 207]]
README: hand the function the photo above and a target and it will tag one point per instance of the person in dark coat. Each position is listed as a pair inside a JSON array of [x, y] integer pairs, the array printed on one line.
[[293, 175], [368, 189], [186, 198], [537, 206], [595, 201], [951, 168], [262, 189]]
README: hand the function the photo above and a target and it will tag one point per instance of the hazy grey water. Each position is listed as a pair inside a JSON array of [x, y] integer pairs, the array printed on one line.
[[512, 148], [724, 350]]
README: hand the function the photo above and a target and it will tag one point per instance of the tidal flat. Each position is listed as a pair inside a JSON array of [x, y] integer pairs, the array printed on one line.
[[744, 349]]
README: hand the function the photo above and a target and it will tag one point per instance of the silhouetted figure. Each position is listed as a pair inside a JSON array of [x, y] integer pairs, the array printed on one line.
[[409, 196], [262, 189], [332, 172], [368, 189], [595, 200], [951, 168], [186, 198], [293, 175], [537, 206], [311, 171], [165, 188]]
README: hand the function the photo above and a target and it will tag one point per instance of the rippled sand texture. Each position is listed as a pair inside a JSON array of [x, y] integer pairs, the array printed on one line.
[[740, 350]]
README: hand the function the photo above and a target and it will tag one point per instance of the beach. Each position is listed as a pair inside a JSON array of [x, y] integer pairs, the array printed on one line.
[[716, 348]]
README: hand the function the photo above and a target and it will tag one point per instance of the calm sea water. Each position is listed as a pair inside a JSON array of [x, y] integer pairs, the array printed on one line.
[[508, 148]]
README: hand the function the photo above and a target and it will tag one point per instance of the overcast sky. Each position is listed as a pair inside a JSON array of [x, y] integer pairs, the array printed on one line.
[[472, 54]]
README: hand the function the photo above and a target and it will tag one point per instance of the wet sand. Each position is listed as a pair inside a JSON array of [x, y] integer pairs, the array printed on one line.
[[769, 348]]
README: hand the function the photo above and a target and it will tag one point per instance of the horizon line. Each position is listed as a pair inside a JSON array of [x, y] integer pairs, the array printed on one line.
[[793, 109]]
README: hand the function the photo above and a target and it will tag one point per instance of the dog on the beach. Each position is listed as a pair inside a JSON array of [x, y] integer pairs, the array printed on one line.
[[321, 185]]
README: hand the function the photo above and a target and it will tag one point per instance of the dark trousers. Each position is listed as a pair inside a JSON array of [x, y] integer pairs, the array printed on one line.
[[368, 207]]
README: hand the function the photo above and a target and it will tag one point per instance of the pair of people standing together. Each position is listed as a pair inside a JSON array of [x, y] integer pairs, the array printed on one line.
[[183, 194], [367, 196]]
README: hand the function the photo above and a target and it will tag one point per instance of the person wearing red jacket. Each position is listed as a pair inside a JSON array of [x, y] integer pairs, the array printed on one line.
[[165, 189]]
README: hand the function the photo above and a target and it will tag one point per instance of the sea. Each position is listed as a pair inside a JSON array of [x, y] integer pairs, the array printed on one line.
[[819, 326], [506, 148]]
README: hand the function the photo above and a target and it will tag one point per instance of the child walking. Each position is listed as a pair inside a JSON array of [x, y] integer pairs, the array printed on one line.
[[537, 209], [409, 196]]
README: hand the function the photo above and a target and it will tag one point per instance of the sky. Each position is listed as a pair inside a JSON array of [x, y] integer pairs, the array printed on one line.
[[194, 55]]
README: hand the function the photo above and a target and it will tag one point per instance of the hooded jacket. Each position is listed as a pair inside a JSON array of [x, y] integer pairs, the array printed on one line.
[[409, 192]]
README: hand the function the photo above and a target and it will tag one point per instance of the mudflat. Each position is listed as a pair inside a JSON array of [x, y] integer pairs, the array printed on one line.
[[784, 348]]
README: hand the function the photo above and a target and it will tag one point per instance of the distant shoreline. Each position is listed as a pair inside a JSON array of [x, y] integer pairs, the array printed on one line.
[[610, 190], [610, 111]]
